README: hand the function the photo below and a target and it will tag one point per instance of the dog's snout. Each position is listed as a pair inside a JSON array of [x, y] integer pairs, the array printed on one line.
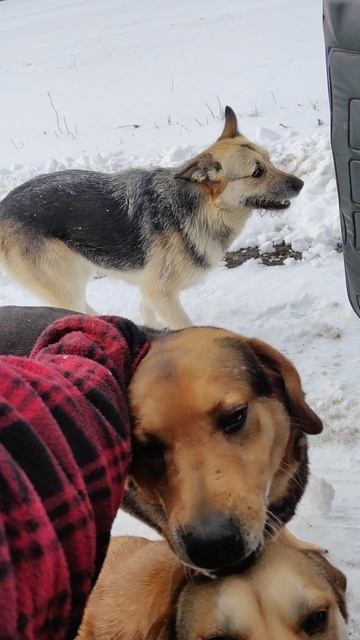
[[295, 184], [214, 543]]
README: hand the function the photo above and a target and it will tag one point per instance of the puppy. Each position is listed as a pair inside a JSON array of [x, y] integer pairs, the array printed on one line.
[[143, 593], [219, 425], [160, 229]]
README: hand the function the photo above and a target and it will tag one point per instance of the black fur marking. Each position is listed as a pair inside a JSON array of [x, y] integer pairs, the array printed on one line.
[[250, 366], [135, 505], [109, 219], [262, 202], [197, 258], [285, 508]]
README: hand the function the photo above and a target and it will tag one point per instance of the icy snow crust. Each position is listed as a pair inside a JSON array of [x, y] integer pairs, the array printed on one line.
[[77, 77]]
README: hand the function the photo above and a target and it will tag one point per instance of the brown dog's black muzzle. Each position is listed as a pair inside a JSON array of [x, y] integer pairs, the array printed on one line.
[[215, 544]]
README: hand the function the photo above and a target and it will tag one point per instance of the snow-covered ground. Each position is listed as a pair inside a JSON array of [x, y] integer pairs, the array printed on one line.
[[78, 75]]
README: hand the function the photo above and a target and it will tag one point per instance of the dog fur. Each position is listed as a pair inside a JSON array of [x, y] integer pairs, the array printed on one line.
[[219, 439], [198, 481], [144, 593], [159, 229]]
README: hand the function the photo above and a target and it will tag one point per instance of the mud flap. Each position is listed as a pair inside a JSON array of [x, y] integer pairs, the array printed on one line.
[[342, 41]]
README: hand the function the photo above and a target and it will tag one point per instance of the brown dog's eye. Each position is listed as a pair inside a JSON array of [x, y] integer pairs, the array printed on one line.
[[315, 622], [152, 449], [233, 421], [259, 171]]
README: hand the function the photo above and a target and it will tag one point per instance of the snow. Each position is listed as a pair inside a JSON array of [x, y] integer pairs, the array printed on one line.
[[170, 68]]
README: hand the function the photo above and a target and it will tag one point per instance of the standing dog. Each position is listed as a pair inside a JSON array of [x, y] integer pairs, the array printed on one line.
[[144, 593], [159, 229], [219, 425]]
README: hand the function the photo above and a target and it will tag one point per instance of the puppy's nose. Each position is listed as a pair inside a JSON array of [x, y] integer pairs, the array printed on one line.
[[214, 543], [295, 184]]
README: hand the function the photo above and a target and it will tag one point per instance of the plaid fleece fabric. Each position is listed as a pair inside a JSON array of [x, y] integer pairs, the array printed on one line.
[[64, 454]]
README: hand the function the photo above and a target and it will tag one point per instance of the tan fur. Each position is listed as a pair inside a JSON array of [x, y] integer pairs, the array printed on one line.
[[143, 594], [297, 543], [228, 164], [270, 602], [184, 379], [135, 593], [166, 273], [223, 173], [54, 273]]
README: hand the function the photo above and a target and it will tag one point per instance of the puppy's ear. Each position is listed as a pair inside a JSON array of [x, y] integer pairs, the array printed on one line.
[[204, 168], [230, 128], [335, 577], [287, 381], [136, 592], [163, 577]]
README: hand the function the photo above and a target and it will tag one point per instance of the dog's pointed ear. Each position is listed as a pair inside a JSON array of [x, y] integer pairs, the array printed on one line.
[[230, 127], [204, 168], [287, 381]]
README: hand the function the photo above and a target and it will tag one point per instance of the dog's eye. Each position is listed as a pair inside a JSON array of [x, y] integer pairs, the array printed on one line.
[[259, 171], [232, 422], [152, 449], [315, 622]]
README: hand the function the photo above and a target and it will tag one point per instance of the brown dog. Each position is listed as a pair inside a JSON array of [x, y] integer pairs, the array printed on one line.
[[219, 444], [143, 594]]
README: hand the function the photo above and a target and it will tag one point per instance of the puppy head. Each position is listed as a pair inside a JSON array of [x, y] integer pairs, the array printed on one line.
[[219, 423], [136, 592], [239, 173], [289, 594]]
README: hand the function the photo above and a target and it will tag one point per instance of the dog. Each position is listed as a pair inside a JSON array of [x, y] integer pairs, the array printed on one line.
[[143, 592], [159, 229], [219, 425]]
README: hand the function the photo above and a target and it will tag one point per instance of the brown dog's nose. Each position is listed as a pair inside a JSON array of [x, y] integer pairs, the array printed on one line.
[[295, 184], [214, 543]]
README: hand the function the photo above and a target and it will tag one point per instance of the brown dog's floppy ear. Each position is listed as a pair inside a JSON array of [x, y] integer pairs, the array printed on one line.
[[335, 577], [158, 578], [142, 508], [166, 583], [282, 371], [230, 128], [204, 168]]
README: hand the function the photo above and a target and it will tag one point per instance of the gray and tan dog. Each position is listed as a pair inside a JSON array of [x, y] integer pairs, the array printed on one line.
[[159, 229]]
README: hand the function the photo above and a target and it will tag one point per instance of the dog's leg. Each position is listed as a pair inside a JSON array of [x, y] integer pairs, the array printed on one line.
[[48, 269], [168, 307], [148, 314]]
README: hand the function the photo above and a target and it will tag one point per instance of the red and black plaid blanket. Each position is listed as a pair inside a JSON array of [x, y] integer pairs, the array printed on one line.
[[64, 454]]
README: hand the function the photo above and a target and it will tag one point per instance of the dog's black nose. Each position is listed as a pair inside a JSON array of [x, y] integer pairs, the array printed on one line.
[[295, 184], [214, 543]]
